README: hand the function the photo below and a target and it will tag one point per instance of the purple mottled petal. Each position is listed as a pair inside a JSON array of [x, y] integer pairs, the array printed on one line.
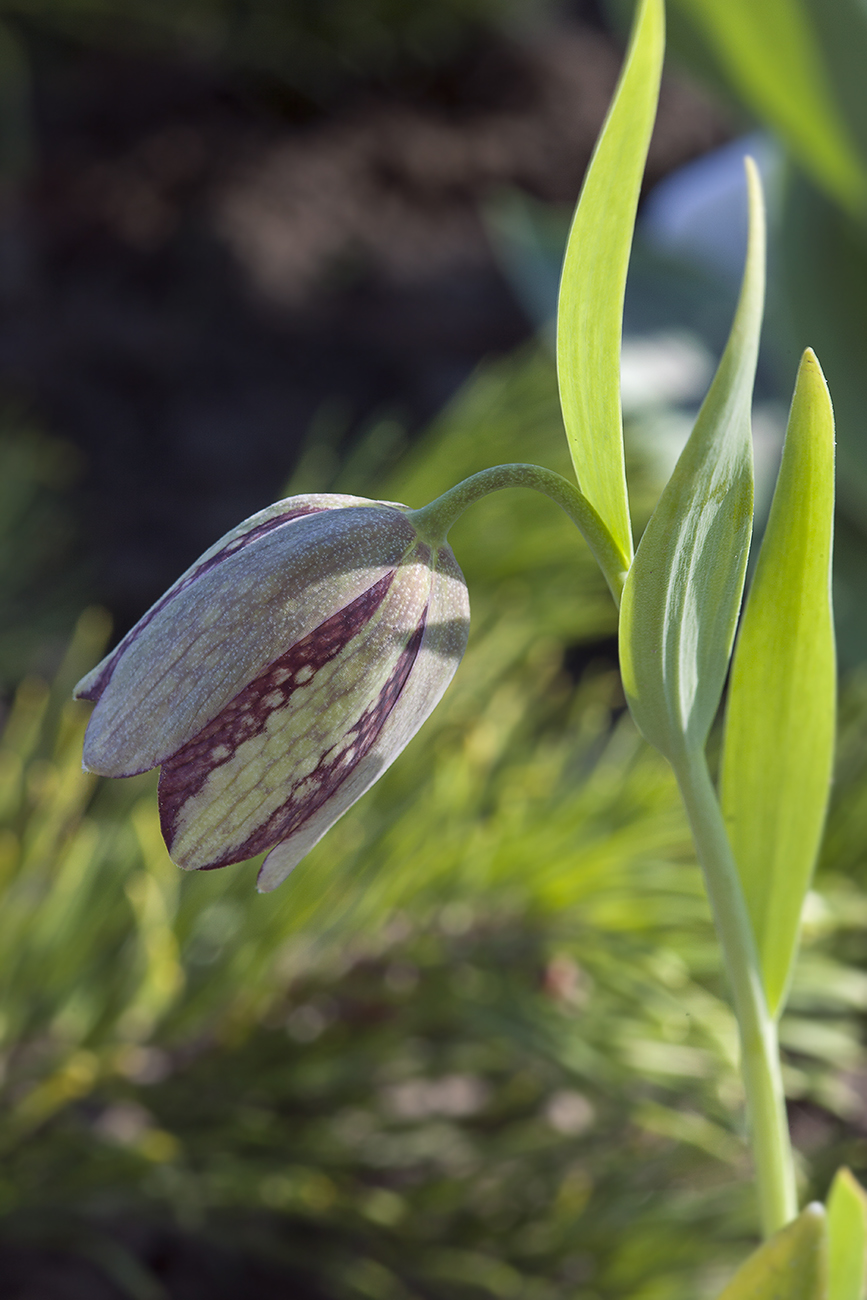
[[97, 680], [444, 639], [186, 773], [219, 632]]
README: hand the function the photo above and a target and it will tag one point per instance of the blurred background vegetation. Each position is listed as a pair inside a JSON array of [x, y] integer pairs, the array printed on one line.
[[478, 1045]]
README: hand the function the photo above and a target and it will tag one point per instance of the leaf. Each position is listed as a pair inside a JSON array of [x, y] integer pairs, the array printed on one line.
[[847, 1238], [779, 736], [822, 267], [683, 592], [841, 35], [770, 54], [590, 311], [792, 1265]]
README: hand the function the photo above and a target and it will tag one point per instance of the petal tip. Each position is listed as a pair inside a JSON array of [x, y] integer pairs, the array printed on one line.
[[90, 687], [103, 759], [278, 865]]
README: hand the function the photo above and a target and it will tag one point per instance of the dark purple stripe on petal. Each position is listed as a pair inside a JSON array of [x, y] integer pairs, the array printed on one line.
[[238, 543], [185, 773], [232, 548], [95, 691], [328, 777]]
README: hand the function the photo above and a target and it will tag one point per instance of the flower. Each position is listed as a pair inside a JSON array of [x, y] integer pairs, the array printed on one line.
[[279, 677]]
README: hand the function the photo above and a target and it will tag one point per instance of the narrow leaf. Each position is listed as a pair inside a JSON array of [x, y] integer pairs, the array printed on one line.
[[590, 312], [792, 1265], [847, 1238], [683, 592], [779, 738], [841, 39], [770, 53]]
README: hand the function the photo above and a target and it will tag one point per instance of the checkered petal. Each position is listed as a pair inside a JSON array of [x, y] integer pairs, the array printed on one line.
[[279, 677], [261, 588]]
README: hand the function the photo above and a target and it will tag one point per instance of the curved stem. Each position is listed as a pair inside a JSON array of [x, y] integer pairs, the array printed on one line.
[[760, 1062], [434, 521]]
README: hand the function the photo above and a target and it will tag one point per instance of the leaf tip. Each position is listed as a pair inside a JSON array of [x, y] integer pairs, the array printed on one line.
[[844, 1178], [754, 176], [811, 380], [809, 367]]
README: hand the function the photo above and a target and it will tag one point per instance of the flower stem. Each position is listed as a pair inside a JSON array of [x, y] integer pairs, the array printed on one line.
[[434, 521], [760, 1062]]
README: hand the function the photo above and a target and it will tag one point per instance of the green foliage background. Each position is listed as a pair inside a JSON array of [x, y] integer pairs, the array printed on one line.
[[478, 1045]]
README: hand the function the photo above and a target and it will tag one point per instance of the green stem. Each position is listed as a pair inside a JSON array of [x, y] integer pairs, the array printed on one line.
[[760, 1061], [434, 521]]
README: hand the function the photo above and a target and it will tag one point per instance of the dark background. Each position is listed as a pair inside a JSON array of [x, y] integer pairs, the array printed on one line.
[[215, 254]]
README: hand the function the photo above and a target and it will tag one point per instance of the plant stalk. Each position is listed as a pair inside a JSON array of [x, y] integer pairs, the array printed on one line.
[[434, 521], [760, 1061]]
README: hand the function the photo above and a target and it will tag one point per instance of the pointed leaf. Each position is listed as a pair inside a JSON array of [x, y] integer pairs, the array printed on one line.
[[779, 738], [847, 1238], [683, 592], [792, 1265], [590, 312]]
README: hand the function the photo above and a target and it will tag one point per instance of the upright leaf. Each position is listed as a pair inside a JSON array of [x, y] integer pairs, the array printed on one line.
[[779, 736], [770, 53], [683, 592], [792, 1265], [590, 312], [847, 1238], [841, 35]]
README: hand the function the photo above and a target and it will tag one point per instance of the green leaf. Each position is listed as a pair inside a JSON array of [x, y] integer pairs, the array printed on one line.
[[841, 35], [847, 1238], [770, 53], [683, 592], [822, 267], [792, 1265], [779, 736], [590, 311]]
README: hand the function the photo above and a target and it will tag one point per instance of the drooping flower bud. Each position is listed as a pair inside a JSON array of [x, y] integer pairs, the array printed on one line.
[[279, 677]]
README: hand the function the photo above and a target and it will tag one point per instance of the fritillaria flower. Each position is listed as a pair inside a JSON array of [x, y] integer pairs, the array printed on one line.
[[279, 677]]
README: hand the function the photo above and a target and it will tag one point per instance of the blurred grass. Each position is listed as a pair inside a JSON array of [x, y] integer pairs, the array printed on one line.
[[477, 1046]]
